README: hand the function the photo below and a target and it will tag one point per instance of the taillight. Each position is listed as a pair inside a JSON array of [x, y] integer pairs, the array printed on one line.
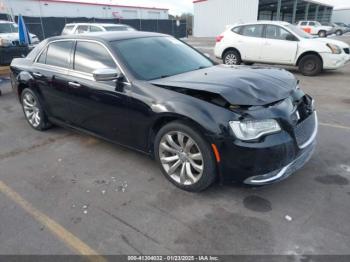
[[219, 38]]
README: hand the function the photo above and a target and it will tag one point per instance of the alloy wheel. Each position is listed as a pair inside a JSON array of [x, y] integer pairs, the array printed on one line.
[[31, 109], [231, 59], [181, 158]]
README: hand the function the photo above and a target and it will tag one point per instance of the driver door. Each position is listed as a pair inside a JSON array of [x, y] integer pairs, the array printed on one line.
[[99, 107]]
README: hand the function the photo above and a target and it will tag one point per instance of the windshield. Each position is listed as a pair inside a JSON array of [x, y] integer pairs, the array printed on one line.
[[299, 32], [8, 28], [119, 28], [158, 57]]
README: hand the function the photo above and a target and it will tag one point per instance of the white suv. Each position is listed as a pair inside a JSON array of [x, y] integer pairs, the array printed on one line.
[[316, 28], [9, 35], [82, 28], [280, 43]]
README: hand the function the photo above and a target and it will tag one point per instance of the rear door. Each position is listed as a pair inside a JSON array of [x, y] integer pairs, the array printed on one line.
[[50, 72], [279, 46], [250, 41]]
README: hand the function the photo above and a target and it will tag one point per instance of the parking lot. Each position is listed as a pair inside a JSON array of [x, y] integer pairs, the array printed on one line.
[[66, 193]]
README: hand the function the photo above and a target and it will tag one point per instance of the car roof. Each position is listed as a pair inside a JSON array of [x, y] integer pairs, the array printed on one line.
[[97, 24], [109, 36], [264, 22]]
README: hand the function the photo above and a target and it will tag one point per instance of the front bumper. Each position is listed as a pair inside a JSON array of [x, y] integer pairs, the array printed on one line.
[[334, 61], [271, 160]]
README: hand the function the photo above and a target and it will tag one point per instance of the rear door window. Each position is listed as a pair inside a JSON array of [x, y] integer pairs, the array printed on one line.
[[312, 24], [252, 30], [58, 53]]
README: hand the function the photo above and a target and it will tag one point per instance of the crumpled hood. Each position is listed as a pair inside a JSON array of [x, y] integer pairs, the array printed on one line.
[[239, 85]]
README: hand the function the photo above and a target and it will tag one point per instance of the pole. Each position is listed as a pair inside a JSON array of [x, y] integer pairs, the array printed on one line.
[[307, 11], [295, 5], [316, 12], [41, 19], [279, 6]]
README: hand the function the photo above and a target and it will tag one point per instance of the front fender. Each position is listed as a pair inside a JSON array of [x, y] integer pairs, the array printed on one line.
[[212, 119]]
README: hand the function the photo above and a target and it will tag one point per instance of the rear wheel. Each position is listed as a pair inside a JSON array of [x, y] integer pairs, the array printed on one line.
[[185, 158], [310, 65], [232, 57], [322, 33], [33, 111]]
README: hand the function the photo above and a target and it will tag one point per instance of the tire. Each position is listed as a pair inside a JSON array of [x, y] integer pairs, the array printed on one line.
[[339, 32], [311, 65], [322, 34], [200, 175], [232, 57], [33, 110]]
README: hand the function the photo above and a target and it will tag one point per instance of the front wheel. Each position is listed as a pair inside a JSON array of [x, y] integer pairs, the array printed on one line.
[[184, 156], [33, 110], [339, 33], [310, 65]]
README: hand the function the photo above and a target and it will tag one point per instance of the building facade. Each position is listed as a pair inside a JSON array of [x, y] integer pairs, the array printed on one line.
[[67, 8], [212, 16], [341, 15]]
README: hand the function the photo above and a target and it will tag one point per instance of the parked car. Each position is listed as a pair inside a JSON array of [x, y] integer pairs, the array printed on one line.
[[338, 30], [345, 28], [9, 34], [315, 28], [82, 28], [280, 43], [201, 121]]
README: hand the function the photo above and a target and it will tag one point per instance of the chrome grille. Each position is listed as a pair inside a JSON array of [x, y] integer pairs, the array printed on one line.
[[305, 130]]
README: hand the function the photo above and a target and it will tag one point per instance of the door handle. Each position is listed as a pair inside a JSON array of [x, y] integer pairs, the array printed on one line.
[[37, 74], [74, 84]]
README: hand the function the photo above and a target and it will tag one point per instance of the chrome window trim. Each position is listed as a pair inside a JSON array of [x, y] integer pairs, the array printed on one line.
[[80, 72]]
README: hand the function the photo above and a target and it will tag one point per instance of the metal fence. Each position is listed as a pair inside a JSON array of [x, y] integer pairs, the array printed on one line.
[[45, 27]]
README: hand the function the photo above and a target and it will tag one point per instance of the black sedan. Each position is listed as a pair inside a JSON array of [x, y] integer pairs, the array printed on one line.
[[201, 121]]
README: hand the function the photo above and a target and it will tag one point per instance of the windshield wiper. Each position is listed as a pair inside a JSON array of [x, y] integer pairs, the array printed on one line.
[[201, 67], [165, 76]]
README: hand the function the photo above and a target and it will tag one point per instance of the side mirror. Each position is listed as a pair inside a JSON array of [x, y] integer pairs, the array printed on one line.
[[106, 74], [291, 38]]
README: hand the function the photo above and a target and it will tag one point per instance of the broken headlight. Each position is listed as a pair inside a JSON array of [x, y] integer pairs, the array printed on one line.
[[252, 129]]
